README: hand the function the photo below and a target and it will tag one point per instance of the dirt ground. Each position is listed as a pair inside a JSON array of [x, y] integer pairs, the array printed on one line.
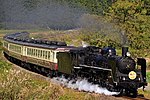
[[147, 87]]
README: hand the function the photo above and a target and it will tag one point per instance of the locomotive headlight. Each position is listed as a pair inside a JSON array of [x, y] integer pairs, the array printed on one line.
[[139, 79], [132, 75], [124, 78]]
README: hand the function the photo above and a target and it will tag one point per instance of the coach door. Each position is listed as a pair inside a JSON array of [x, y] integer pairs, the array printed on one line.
[[64, 62]]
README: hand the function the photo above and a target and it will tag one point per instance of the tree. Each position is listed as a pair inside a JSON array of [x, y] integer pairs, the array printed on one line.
[[147, 6], [131, 16]]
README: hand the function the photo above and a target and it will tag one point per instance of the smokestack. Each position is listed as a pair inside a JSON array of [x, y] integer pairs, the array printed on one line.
[[124, 51]]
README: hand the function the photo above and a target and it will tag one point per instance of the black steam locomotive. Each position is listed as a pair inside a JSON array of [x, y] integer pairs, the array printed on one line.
[[99, 65]]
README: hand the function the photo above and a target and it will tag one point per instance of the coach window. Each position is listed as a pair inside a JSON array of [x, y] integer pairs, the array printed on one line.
[[53, 56], [19, 49], [29, 50], [36, 54], [10, 47], [42, 53], [49, 55], [15, 48], [5, 44], [45, 54], [33, 52], [39, 53]]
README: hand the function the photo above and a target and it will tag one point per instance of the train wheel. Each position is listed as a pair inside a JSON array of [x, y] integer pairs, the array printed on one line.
[[49, 74], [131, 93], [120, 92], [134, 93]]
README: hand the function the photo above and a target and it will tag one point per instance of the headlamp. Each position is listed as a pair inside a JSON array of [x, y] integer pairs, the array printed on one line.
[[132, 75]]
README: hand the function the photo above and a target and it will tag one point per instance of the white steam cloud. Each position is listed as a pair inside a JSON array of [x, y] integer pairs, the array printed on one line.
[[82, 85]]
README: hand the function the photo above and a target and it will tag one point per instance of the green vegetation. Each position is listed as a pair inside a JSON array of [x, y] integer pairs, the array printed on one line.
[[19, 85], [145, 92], [3, 32], [148, 76], [131, 16]]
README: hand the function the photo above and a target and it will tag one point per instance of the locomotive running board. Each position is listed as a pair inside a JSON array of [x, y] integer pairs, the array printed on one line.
[[77, 67], [80, 66]]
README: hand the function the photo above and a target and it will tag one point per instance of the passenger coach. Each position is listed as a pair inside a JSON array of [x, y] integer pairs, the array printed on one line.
[[38, 52]]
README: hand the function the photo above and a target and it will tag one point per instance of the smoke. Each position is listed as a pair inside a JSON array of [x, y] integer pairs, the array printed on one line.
[[82, 85], [44, 14], [103, 28], [124, 41]]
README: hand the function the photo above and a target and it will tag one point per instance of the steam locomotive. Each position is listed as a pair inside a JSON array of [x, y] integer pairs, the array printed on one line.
[[99, 65]]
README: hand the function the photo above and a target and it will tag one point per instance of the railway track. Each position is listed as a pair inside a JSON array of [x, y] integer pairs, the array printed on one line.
[[137, 98]]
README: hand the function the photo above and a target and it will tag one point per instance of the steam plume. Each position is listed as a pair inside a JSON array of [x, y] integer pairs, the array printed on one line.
[[82, 85]]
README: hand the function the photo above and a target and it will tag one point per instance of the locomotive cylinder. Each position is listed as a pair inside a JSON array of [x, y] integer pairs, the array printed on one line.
[[124, 51]]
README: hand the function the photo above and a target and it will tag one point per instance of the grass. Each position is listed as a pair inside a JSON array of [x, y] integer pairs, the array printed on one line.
[[21, 85], [148, 76], [145, 92]]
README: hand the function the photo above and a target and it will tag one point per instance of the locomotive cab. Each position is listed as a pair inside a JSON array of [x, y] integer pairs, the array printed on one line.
[[108, 51]]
